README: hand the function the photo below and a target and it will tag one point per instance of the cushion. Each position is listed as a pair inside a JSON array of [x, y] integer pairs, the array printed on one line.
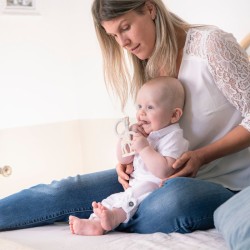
[[232, 219]]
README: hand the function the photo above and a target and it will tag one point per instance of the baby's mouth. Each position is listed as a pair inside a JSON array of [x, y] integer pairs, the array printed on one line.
[[145, 123]]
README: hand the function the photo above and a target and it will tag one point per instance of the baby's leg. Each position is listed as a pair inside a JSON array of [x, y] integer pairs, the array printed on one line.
[[85, 226], [109, 219]]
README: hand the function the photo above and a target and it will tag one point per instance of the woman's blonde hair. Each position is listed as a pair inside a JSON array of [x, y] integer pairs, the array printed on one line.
[[115, 62]]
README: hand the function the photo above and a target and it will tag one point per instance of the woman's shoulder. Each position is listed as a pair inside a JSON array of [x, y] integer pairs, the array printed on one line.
[[199, 38], [205, 30], [208, 33]]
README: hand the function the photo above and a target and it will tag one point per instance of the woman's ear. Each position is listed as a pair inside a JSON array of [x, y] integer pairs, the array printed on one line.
[[150, 7], [176, 115]]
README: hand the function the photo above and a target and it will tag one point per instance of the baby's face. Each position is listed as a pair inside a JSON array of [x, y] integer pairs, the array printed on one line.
[[153, 109]]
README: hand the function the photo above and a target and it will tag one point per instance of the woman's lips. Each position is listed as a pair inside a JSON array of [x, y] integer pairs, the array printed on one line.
[[135, 48]]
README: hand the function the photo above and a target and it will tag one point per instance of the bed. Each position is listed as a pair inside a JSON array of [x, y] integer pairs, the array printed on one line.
[[58, 237]]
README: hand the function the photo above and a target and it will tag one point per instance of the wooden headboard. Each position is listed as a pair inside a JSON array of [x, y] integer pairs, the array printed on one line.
[[245, 43]]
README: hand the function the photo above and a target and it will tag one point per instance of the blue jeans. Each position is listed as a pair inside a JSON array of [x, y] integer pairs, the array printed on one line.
[[181, 205]]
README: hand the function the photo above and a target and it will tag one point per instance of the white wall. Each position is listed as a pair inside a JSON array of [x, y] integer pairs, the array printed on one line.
[[230, 15], [50, 64]]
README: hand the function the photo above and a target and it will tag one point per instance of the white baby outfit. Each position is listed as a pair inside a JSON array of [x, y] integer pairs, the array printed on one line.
[[168, 141]]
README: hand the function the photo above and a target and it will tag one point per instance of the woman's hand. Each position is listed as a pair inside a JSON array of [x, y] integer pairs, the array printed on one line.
[[190, 162], [187, 165], [123, 172]]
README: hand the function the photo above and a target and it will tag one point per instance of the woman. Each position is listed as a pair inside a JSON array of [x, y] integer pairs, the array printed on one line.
[[216, 75]]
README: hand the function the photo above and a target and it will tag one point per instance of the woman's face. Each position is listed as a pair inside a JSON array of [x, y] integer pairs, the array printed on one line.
[[134, 32]]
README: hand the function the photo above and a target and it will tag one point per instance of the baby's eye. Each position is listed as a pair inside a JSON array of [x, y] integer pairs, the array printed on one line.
[[138, 106], [150, 107]]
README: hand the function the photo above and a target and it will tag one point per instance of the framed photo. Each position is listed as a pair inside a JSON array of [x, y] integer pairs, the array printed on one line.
[[20, 6]]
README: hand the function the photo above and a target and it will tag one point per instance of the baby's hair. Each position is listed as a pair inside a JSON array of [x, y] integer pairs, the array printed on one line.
[[170, 88]]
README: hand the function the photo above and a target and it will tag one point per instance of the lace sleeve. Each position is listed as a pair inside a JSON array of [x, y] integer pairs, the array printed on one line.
[[230, 67]]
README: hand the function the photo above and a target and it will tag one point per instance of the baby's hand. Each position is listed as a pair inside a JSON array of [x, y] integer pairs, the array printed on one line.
[[139, 142], [137, 128]]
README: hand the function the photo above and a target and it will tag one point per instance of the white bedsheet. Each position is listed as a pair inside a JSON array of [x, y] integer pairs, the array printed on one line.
[[58, 237]]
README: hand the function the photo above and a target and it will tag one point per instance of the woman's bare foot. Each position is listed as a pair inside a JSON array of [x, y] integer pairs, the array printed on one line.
[[85, 226], [109, 219]]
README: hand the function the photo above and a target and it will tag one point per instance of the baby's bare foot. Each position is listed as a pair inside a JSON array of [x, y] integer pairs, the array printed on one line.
[[98, 208], [85, 226], [108, 219]]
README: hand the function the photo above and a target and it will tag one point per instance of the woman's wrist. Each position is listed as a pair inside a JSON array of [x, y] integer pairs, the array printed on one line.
[[204, 155]]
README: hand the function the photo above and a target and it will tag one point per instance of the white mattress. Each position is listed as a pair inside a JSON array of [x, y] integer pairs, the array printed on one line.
[[58, 237]]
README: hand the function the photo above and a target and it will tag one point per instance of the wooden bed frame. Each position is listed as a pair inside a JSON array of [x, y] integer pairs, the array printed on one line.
[[245, 43]]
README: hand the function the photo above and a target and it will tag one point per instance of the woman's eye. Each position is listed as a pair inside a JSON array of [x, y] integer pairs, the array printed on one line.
[[125, 28]]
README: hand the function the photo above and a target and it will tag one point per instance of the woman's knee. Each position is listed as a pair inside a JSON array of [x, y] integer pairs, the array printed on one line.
[[176, 198], [181, 205]]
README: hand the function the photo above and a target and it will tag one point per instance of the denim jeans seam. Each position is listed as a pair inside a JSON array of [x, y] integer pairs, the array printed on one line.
[[186, 225], [49, 217]]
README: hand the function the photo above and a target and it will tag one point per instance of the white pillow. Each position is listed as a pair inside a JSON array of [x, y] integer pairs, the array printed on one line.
[[232, 219]]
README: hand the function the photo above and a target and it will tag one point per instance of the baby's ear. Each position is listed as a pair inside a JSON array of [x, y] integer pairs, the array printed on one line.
[[177, 113]]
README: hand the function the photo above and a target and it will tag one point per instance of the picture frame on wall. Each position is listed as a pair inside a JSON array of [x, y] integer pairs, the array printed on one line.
[[28, 7]]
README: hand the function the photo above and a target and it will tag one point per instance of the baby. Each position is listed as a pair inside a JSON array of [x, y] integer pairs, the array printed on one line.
[[157, 141]]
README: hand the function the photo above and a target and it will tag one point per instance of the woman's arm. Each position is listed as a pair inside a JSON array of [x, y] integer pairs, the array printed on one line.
[[229, 65], [190, 162], [236, 140]]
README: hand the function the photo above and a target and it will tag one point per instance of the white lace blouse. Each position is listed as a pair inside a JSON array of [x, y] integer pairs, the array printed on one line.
[[215, 72]]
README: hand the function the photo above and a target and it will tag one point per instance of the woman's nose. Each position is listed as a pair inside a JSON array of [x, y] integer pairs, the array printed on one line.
[[123, 41]]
